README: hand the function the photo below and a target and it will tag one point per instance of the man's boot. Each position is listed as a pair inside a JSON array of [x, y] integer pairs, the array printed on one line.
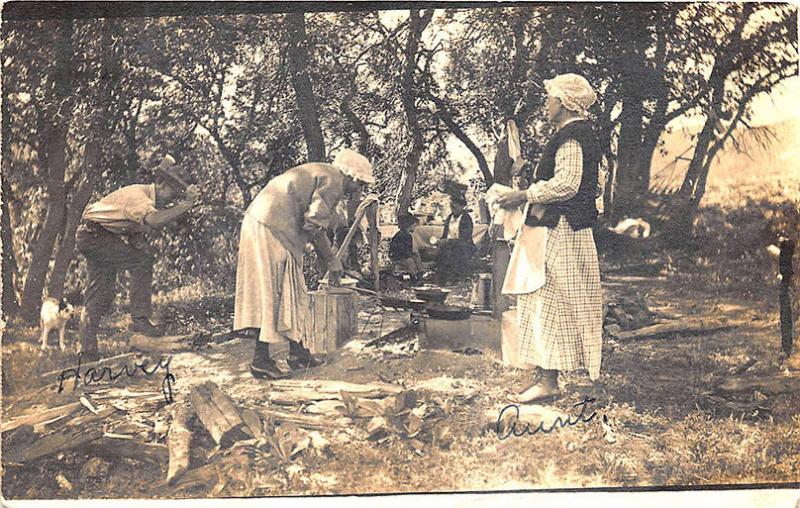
[[88, 339], [145, 327]]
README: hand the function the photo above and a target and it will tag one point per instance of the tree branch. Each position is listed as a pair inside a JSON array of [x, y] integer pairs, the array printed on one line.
[[443, 112]]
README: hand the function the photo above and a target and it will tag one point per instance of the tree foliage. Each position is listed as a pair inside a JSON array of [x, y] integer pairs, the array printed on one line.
[[90, 105]]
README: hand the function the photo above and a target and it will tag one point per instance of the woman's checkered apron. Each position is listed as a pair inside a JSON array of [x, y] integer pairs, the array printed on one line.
[[560, 325]]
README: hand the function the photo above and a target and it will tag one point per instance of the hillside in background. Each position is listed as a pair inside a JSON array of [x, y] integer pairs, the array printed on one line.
[[752, 166]]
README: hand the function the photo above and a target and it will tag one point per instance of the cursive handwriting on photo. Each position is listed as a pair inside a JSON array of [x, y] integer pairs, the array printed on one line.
[[518, 428], [93, 376]]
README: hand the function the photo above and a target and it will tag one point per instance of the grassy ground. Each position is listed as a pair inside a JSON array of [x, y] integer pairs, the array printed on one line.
[[666, 424]]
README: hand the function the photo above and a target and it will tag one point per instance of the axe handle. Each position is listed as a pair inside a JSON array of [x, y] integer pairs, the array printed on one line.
[[351, 233]]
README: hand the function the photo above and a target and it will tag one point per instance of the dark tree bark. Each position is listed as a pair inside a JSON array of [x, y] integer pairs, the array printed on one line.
[[629, 179], [66, 248], [9, 302], [357, 125], [301, 82], [446, 116], [417, 24], [637, 85], [58, 114], [94, 159]]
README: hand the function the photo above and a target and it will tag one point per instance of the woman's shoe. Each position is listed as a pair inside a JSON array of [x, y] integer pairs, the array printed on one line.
[[268, 370], [537, 392], [301, 358], [303, 362]]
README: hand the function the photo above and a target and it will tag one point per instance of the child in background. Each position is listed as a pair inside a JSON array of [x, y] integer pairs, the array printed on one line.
[[402, 250]]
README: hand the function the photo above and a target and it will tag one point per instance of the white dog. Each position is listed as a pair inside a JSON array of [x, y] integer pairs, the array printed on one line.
[[55, 314]]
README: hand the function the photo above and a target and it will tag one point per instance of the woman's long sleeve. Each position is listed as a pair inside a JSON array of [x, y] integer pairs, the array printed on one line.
[[566, 179]]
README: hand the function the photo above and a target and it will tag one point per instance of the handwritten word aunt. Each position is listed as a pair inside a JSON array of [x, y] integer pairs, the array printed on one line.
[[509, 424]]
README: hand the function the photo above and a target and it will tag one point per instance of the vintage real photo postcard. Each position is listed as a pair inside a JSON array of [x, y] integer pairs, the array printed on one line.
[[264, 249]]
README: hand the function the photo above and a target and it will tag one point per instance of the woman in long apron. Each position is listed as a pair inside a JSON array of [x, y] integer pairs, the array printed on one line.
[[555, 272]]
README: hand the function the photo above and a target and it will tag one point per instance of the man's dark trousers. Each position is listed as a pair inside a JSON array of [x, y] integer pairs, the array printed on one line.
[[106, 253]]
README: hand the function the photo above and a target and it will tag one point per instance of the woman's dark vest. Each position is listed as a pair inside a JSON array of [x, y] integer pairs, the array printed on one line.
[[580, 210]]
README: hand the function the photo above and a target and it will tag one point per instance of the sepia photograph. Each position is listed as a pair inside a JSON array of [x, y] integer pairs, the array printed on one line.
[[273, 249]]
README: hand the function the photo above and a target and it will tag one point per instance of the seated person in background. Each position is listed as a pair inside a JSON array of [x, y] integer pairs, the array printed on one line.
[[455, 247], [402, 250]]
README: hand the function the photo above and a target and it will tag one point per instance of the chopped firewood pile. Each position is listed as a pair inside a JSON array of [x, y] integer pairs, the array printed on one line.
[[193, 440]]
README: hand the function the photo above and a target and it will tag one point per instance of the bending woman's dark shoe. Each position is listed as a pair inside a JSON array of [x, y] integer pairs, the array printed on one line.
[[264, 367], [301, 358]]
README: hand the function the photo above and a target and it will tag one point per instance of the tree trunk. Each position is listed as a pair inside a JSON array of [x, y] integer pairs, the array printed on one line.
[[417, 24], [58, 115], [649, 143], [685, 201], [102, 127], [66, 249], [518, 67], [628, 179], [303, 90], [9, 302]]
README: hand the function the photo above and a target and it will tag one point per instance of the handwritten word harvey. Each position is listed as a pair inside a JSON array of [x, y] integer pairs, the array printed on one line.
[[98, 375], [516, 428]]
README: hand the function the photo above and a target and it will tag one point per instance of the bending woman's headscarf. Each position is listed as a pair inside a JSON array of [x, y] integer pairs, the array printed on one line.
[[574, 92]]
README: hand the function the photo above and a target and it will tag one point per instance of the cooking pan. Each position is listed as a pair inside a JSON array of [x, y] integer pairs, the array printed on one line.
[[448, 312], [431, 294], [399, 303]]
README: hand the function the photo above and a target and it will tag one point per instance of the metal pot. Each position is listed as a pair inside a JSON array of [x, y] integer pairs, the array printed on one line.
[[482, 291]]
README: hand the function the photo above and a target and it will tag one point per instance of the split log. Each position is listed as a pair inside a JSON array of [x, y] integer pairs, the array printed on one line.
[[40, 416], [769, 384], [358, 408], [299, 397], [326, 407], [179, 438], [314, 422], [204, 476], [59, 441], [207, 476], [741, 369], [745, 408], [217, 413], [367, 390], [252, 422], [108, 447], [683, 327]]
